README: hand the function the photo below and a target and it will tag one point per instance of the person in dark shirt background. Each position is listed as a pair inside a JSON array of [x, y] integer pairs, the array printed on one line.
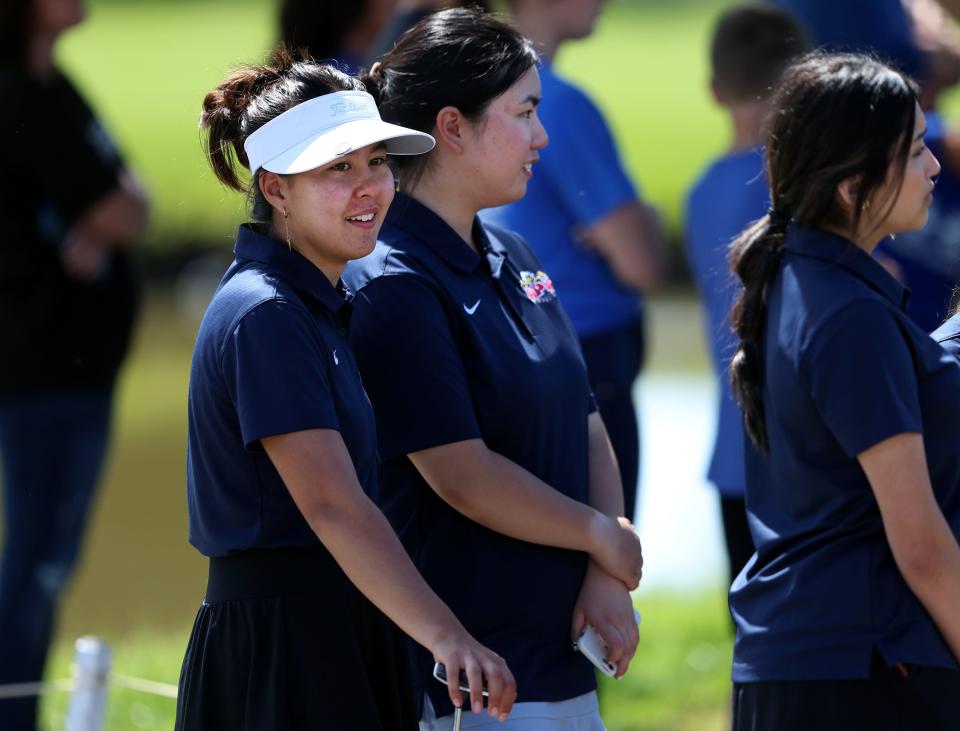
[[68, 300], [342, 32]]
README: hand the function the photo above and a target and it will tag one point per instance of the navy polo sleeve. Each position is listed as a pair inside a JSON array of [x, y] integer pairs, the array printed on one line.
[[273, 363], [862, 377], [411, 366]]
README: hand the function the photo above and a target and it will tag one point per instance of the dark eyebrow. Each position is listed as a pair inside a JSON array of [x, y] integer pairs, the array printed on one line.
[[920, 135], [382, 147], [532, 99]]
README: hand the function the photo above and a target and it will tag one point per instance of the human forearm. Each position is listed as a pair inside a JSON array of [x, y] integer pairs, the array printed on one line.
[[606, 488], [923, 546], [930, 564], [379, 567], [499, 494], [318, 472], [630, 240], [119, 217]]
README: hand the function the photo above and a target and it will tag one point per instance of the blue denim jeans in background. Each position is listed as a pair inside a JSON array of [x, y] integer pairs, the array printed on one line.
[[52, 448]]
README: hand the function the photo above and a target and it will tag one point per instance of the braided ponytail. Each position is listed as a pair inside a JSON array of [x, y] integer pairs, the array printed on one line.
[[815, 140], [755, 257]]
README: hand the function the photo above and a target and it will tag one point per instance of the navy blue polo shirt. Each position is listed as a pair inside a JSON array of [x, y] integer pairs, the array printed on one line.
[[844, 368], [271, 358], [453, 346], [948, 335]]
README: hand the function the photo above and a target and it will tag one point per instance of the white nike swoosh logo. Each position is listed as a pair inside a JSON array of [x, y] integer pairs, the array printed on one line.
[[336, 361], [471, 310]]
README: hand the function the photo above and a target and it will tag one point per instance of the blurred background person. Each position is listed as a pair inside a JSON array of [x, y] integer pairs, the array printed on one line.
[[342, 32], [410, 12], [583, 218], [878, 26], [67, 304], [752, 43], [846, 614]]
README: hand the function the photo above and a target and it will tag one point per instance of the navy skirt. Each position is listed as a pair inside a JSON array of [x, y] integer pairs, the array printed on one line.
[[283, 641]]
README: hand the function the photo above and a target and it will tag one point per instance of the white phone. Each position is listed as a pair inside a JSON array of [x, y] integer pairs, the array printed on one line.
[[592, 647], [440, 673]]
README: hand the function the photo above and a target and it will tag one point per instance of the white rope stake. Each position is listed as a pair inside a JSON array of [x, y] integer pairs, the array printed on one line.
[[89, 700]]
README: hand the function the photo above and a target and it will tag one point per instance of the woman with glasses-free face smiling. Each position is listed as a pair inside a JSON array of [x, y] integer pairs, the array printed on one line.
[[282, 458], [333, 212], [500, 150]]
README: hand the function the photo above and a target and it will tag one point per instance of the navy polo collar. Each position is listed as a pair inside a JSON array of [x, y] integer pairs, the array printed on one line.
[[836, 250], [411, 216], [292, 265]]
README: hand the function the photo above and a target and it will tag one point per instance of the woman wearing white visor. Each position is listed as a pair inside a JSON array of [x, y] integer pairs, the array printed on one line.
[[281, 461]]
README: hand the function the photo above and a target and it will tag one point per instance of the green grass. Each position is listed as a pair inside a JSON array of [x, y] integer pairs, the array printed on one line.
[[147, 65], [678, 680]]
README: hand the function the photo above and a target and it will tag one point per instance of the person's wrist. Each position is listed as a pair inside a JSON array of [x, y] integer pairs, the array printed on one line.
[[444, 633], [599, 533]]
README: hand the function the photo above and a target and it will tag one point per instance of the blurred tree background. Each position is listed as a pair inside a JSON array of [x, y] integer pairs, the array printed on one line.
[[146, 66]]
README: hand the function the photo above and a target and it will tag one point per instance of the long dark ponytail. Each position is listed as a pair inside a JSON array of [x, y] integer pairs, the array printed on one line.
[[834, 117]]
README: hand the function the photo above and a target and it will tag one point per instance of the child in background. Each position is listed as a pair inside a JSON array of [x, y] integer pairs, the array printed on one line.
[[752, 44]]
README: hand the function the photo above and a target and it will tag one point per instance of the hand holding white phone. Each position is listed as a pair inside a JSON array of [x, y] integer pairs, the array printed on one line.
[[590, 644]]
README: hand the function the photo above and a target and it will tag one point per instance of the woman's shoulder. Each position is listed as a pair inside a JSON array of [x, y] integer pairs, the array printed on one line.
[[403, 257]]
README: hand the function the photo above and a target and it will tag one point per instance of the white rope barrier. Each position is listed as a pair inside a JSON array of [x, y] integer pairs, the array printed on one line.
[[89, 685], [26, 690], [144, 686]]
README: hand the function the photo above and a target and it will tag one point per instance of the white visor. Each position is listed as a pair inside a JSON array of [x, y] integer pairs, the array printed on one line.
[[324, 128]]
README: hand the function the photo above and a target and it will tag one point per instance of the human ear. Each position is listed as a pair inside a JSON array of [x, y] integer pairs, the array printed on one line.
[[717, 93], [449, 129], [274, 189], [847, 191]]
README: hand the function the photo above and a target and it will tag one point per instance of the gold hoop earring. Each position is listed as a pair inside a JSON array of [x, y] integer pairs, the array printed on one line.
[[286, 225]]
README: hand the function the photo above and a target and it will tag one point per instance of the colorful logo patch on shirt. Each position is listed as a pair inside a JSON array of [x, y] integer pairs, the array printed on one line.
[[537, 287]]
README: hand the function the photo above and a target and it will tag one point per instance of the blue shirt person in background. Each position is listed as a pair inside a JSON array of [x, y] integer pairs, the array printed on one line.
[[343, 33], [846, 615], [878, 26], [281, 460], [71, 209], [497, 471], [750, 47], [583, 219]]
